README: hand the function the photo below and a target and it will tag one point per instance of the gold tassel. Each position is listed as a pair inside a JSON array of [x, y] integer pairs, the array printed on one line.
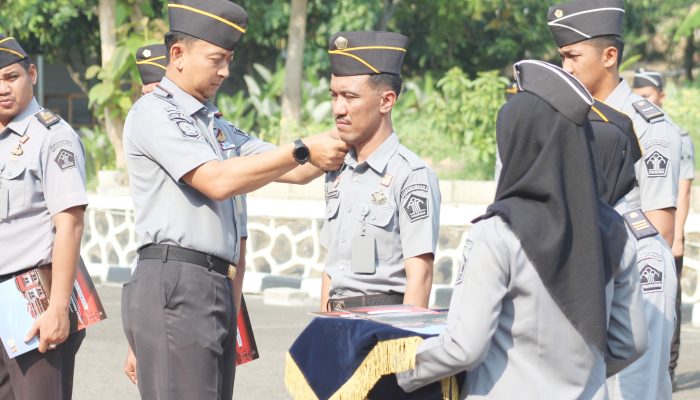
[[450, 388], [296, 383], [387, 357]]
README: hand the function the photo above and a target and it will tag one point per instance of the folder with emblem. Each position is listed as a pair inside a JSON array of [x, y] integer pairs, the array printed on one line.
[[26, 296]]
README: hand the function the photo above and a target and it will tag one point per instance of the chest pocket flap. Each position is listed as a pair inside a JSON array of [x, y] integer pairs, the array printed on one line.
[[332, 207], [12, 171], [380, 215]]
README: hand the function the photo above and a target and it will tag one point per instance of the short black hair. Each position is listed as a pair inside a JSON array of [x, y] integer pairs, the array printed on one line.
[[173, 37], [391, 81], [603, 42], [25, 63]]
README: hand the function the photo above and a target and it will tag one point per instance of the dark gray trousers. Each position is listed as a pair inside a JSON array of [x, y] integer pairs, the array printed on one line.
[[179, 320], [37, 376]]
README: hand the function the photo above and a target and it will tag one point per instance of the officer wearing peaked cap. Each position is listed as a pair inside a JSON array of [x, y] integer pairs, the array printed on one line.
[[383, 205], [650, 85], [42, 202], [592, 31], [529, 318], [179, 306], [588, 34]]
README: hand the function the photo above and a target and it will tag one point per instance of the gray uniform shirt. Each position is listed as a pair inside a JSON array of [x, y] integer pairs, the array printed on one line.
[[648, 377], [508, 333], [47, 178], [687, 157], [236, 143], [167, 134], [659, 168], [395, 197]]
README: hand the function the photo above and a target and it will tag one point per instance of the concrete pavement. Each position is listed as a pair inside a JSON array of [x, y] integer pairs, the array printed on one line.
[[99, 373]]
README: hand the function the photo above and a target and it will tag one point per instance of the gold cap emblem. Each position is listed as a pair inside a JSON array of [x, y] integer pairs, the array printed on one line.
[[147, 53], [559, 13], [341, 43]]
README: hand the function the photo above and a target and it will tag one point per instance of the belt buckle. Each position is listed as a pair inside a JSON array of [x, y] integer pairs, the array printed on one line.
[[231, 273]]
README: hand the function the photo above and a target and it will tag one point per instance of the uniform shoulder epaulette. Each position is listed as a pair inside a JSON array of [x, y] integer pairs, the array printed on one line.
[[47, 118], [639, 224], [411, 158], [647, 110]]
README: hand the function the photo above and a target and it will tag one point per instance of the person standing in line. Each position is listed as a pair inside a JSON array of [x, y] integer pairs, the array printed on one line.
[[42, 204]]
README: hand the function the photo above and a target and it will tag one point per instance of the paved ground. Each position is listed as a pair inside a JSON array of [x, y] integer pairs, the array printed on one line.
[[99, 374]]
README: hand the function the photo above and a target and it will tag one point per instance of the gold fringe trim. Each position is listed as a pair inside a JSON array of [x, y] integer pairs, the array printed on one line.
[[295, 381], [387, 357], [450, 388]]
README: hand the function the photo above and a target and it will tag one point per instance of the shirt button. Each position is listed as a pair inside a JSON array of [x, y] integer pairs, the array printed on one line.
[[373, 218], [341, 268], [349, 210]]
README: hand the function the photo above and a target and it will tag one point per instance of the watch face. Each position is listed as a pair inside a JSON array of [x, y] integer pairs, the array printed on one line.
[[301, 153]]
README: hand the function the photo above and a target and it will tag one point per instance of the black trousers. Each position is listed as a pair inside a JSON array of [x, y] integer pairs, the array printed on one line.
[[37, 376], [676, 342], [179, 319]]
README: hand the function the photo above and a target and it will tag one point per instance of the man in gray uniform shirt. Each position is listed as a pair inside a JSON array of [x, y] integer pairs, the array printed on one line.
[[540, 311], [650, 85], [383, 205], [179, 307], [589, 37], [42, 202]]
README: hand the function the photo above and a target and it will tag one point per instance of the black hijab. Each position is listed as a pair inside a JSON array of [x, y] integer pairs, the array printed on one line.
[[616, 148], [547, 194]]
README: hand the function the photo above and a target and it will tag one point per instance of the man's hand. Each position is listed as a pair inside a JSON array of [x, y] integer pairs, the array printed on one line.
[[327, 152], [130, 366], [52, 327]]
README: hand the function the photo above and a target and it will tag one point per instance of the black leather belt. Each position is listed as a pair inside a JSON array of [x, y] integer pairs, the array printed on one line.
[[364, 301], [165, 252]]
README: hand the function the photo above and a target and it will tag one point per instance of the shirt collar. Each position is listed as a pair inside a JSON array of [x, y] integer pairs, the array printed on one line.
[[21, 121], [379, 159], [618, 96], [188, 103]]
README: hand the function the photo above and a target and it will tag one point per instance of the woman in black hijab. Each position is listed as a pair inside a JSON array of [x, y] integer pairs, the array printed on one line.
[[528, 316]]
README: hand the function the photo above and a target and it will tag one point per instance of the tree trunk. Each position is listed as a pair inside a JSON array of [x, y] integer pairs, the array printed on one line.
[[108, 44], [387, 12], [688, 55], [293, 70]]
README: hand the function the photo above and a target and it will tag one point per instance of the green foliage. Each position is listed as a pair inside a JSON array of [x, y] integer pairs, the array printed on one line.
[[689, 24], [98, 152], [681, 105]]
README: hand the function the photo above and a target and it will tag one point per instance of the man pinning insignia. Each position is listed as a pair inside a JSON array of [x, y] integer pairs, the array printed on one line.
[[42, 203], [383, 205], [185, 187]]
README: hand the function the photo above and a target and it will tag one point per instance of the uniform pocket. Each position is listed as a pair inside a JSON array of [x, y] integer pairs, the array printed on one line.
[[170, 277], [380, 224], [13, 178]]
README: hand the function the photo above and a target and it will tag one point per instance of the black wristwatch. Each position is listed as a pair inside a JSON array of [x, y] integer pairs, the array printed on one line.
[[301, 152]]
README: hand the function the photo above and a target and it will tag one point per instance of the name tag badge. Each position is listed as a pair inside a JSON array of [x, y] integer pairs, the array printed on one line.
[[363, 254], [4, 202]]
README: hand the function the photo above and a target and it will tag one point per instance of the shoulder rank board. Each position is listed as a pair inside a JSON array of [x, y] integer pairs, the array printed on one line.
[[647, 110], [639, 224], [47, 118]]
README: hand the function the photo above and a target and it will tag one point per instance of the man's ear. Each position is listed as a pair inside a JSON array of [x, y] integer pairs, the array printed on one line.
[[610, 57], [33, 74], [387, 101], [177, 52]]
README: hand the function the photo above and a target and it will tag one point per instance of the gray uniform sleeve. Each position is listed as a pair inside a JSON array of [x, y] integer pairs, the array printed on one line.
[[249, 145], [169, 138], [474, 311], [627, 328], [419, 213], [658, 170], [63, 169], [687, 158], [242, 210]]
